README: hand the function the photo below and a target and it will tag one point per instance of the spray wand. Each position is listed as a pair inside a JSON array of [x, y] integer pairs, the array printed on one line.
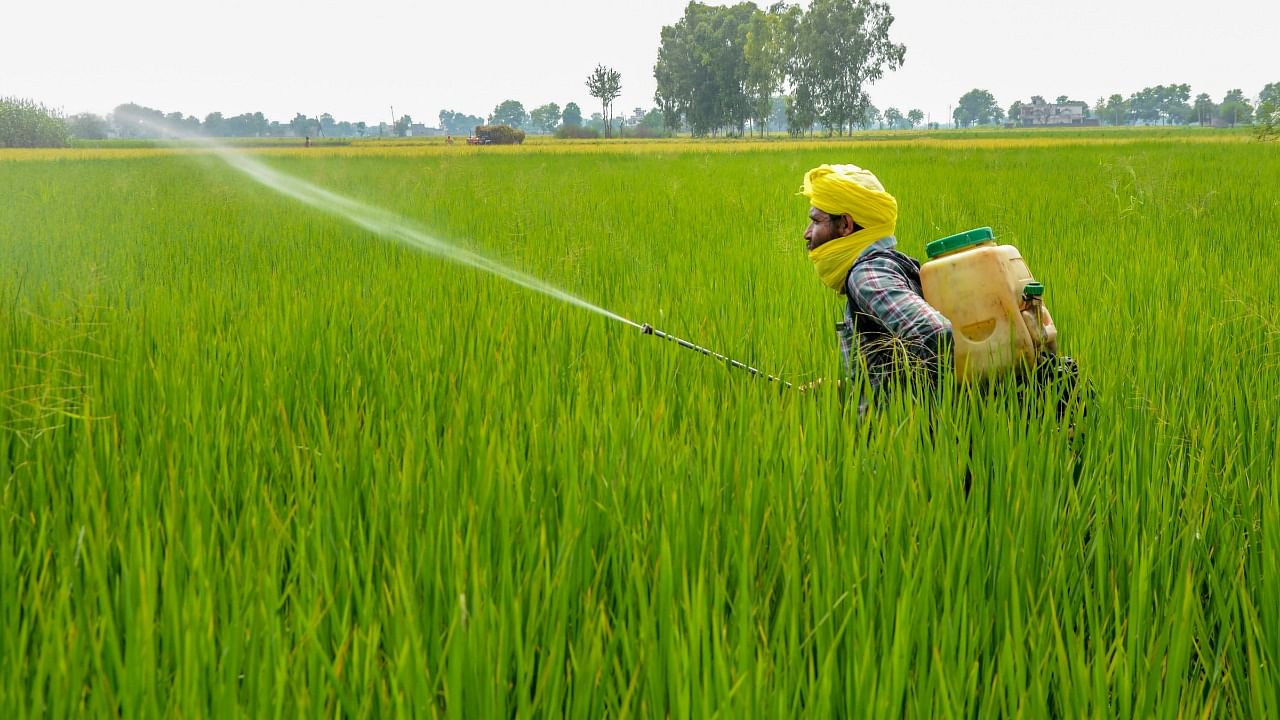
[[648, 329]]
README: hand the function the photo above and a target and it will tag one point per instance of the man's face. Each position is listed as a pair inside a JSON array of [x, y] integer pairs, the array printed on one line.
[[824, 228]]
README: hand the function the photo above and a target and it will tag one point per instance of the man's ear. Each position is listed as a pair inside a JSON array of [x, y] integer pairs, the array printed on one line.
[[847, 226]]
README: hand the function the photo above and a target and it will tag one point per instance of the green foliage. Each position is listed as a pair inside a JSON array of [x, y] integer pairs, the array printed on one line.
[[1161, 104], [88, 126], [572, 116], [844, 48], [1267, 122], [509, 112], [977, 107], [720, 66], [456, 123], [27, 124], [1235, 109], [257, 462], [576, 132], [545, 118], [605, 84]]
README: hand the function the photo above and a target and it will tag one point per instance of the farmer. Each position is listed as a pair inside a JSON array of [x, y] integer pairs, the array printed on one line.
[[850, 240]]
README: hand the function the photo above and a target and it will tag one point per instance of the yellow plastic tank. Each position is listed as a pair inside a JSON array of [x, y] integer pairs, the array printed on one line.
[[998, 319]]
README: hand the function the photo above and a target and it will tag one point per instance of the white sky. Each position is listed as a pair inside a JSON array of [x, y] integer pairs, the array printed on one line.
[[355, 60]]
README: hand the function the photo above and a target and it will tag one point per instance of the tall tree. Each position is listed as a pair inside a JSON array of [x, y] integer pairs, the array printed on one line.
[[845, 48], [1235, 109], [1015, 112], [1117, 110], [509, 112], [87, 126], [977, 107], [914, 117], [703, 75], [605, 84], [572, 115], [545, 118], [1267, 119], [764, 52], [1204, 108], [893, 117]]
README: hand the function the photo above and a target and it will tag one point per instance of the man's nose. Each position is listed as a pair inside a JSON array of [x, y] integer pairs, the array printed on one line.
[[808, 232]]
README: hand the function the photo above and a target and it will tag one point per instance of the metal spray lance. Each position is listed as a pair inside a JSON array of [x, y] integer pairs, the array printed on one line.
[[648, 329]]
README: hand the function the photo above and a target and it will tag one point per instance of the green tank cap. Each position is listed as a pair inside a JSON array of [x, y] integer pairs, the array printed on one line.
[[958, 241], [1033, 289]]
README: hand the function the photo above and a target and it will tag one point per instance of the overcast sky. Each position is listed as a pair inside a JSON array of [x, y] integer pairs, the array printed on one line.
[[356, 60]]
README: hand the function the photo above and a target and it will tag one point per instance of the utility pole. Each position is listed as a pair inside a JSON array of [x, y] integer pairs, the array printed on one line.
[[393, 119]]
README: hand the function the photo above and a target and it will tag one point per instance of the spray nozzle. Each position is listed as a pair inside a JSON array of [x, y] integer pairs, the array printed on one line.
[[646, 329]]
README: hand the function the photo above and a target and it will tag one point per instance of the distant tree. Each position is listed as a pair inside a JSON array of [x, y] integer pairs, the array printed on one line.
[[26, 123], [777, 113], [1116, 111], [509, 112], [915, 117], [893, 117], [456, 123], [605, 84], [135, 121], [572, 115], [87, 126], [302, 125], [764, 53], [1235, 109], [1015, 112], [1270, 94], [653, 121], [1162, 103], [545, 118], [868, 117], [328, 126], [844, 47], [801, 113], [1205, 109], [704, 77], [212, 124], [1062, 100], [977, 107], [402, 125]]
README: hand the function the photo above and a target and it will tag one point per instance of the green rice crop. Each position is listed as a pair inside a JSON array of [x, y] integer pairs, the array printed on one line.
[[255, 461]]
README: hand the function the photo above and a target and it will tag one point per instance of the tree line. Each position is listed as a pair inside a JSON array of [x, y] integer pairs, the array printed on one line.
[[1158, 105]]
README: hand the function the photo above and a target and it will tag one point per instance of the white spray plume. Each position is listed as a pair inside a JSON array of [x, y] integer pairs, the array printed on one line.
[[376, 220]]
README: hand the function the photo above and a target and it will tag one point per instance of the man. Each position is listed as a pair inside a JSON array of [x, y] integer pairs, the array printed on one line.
[[851, 243]]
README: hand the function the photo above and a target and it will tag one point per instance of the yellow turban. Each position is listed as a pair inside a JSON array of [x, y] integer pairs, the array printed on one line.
[[848, 190]]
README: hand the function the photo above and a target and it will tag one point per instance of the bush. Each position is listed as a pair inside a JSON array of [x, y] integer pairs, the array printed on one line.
[[576, 132], [26, 123], [641, 131], [500, 134]]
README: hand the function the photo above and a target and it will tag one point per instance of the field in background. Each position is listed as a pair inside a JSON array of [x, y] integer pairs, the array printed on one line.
[[254, 459]]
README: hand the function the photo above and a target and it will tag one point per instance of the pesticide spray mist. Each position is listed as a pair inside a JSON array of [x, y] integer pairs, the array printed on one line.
[[378, 221], [389, 225]]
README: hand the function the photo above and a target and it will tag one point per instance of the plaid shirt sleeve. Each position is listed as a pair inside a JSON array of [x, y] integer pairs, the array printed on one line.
[[885, 291]]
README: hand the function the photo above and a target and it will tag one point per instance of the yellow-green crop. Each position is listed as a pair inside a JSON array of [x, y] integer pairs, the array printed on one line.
[[255, 461]]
